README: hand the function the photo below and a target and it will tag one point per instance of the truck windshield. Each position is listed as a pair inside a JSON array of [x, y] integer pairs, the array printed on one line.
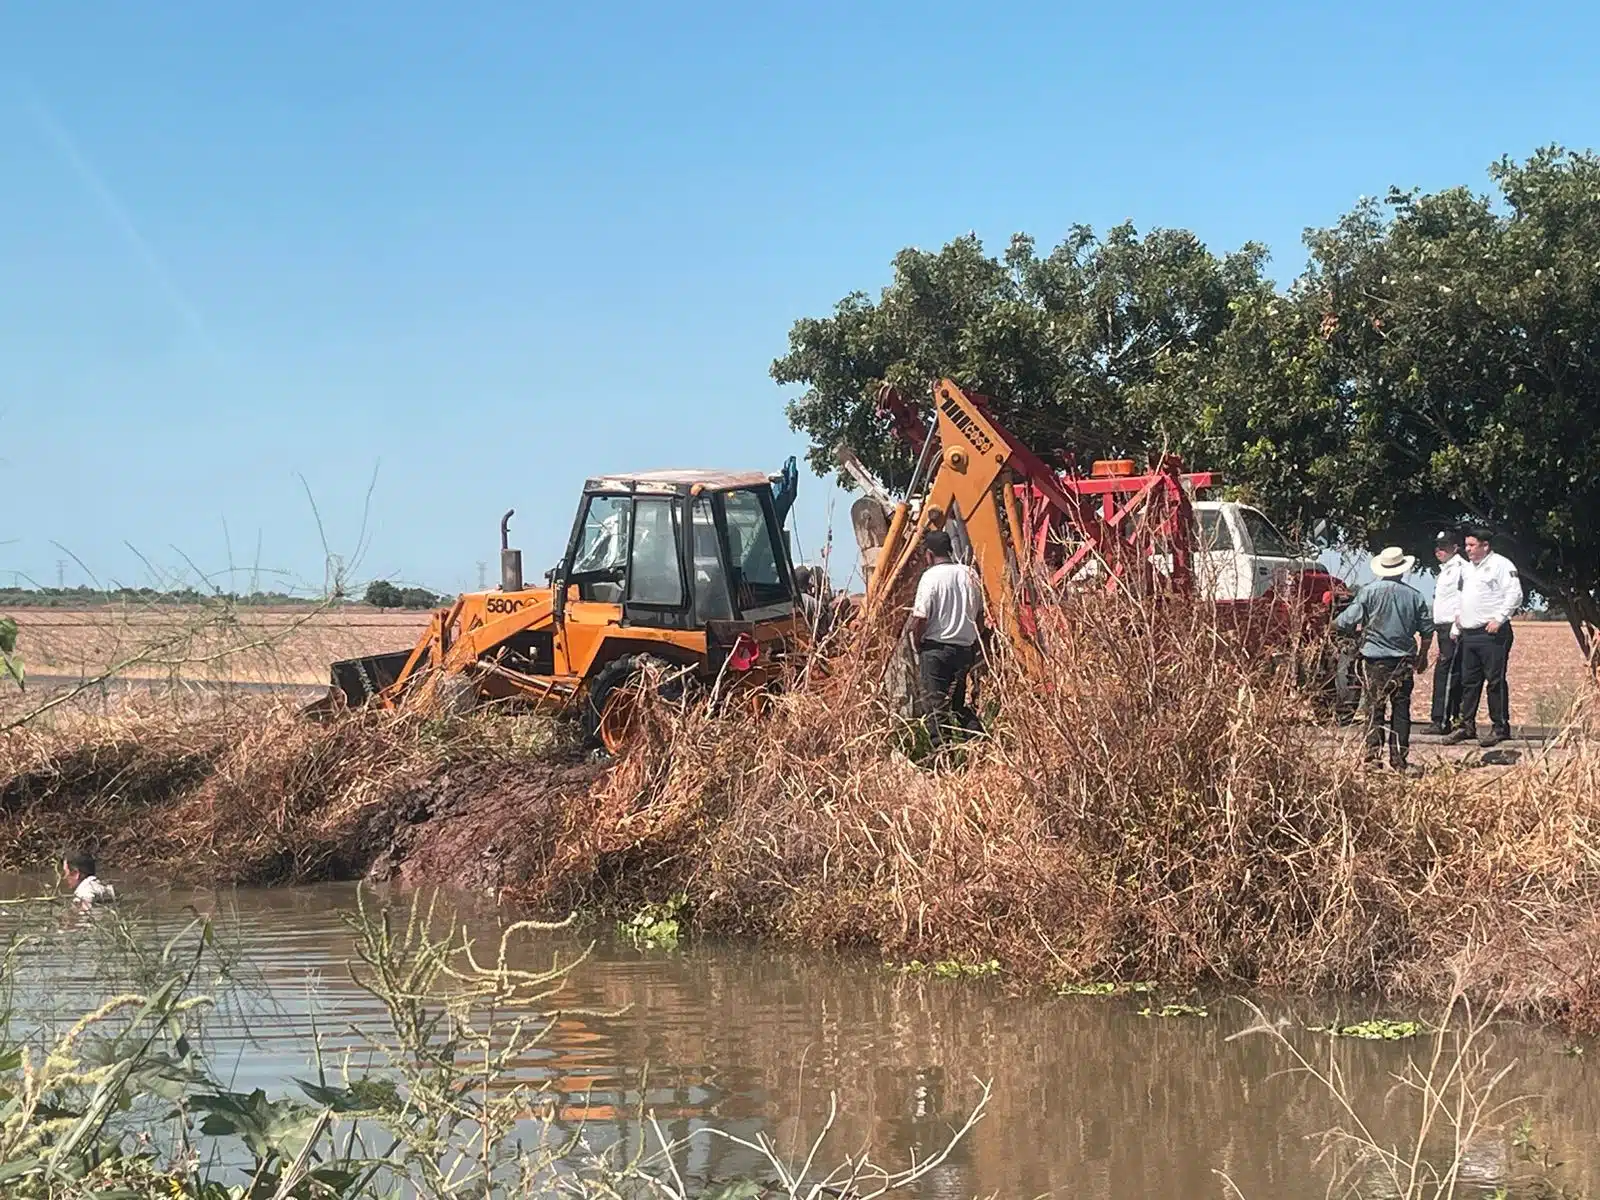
[[758, 581], [604, 545]]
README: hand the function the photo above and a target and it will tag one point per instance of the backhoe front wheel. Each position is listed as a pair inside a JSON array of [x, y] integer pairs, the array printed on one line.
[[611, 707]]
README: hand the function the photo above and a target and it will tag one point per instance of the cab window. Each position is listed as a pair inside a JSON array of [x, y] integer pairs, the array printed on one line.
[[1214, 532], [598, 566], [710, 580], [1264, 536], [756, 577], [654, 574]]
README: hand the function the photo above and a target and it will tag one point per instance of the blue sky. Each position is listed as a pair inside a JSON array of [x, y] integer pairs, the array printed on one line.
[[490, 250]]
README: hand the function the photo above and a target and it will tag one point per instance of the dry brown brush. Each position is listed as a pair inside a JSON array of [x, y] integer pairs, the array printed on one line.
[[1155, 804], [251, 793]]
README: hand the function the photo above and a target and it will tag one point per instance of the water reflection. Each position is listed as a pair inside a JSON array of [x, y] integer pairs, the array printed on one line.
[[1090, 1099]]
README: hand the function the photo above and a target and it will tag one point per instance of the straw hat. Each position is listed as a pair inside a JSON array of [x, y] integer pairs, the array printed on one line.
[[1392, 563]]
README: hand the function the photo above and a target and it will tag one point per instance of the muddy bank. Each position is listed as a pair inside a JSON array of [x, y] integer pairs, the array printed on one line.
[[483, 826], [270, 800]]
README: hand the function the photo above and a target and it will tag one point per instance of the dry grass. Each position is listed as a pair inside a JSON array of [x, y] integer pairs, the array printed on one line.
[[244, 791], [1157, 810]]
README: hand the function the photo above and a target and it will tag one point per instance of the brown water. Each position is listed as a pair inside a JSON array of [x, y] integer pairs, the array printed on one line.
[[1089, 1098]]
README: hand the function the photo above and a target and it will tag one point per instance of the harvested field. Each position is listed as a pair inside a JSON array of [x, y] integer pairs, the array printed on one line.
[[1546, 673], [247, 645], [293, 646]]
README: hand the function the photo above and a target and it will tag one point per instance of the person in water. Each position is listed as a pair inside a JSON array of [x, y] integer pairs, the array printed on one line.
[[78, 869]]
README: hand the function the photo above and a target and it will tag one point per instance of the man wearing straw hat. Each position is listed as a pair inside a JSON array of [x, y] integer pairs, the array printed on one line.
[[1396, 630]]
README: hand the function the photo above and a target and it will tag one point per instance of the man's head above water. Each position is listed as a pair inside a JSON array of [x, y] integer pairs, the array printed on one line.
[[77, 865]]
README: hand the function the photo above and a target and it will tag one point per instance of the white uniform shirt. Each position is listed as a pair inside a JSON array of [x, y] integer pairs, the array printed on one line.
[[91, 891], [1490, 591], [1447, 590], [950, 598]]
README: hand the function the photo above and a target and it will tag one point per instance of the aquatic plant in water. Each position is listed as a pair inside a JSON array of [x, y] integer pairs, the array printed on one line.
[[656, 926], [951, 968]]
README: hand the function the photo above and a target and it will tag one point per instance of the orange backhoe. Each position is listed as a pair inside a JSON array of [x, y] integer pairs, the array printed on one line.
[[668, 576]]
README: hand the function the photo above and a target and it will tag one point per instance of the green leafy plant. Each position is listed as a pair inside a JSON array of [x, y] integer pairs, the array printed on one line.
[[950, 968], [1175, 1010], [1105, 988], [1377, 1029], [656, 926]]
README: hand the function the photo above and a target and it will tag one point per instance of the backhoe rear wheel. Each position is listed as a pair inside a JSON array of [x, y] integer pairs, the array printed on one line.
[[610, 709]]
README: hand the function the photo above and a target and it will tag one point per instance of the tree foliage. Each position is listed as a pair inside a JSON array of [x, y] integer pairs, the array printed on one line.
[[1072, 345], [383, 594], [1436, 363]]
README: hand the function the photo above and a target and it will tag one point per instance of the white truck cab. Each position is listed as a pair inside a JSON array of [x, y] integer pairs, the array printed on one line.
[[1239, 554]]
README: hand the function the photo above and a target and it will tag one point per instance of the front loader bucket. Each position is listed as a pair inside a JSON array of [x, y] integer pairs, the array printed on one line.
[[356, 681]]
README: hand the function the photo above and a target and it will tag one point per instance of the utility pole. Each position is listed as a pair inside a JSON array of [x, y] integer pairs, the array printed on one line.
[[61, 574], [483, 576]]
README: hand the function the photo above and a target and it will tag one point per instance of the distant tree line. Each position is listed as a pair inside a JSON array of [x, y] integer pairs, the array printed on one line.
[[1436, 363], [80, 597], [379, 594]]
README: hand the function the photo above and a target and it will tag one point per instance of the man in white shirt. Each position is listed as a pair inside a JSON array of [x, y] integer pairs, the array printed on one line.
[[944, 629], [77, 867], [1446, 607], [1490, 593]]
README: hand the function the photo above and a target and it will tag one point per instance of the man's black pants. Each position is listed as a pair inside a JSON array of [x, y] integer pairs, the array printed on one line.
[[1388, 683], [1483, 661], [943, 668], [1446, 678]]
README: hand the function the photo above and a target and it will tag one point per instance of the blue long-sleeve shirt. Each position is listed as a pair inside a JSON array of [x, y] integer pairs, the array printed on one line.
[[1390, 615]]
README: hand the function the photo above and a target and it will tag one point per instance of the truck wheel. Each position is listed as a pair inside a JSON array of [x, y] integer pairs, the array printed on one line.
[[609, 709]]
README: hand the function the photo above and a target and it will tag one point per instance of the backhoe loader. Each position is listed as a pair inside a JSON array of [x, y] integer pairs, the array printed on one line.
[[669, 576]]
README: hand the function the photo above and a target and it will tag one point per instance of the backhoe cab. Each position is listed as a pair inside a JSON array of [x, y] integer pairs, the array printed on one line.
[[669, 576]]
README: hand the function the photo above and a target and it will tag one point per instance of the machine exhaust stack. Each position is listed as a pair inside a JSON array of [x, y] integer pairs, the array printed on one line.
[[510, 560]]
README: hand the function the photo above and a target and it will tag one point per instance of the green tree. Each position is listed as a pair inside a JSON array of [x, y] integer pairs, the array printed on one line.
[[416, 597], [1437, 362], [383, 594], [1076, 347]]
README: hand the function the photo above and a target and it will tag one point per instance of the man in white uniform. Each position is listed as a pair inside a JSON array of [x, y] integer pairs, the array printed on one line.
[[944, 630], [1490, 593], [1446, 607]]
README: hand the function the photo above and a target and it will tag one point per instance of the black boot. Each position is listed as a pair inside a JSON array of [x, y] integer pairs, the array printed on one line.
[[1459, 734]]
